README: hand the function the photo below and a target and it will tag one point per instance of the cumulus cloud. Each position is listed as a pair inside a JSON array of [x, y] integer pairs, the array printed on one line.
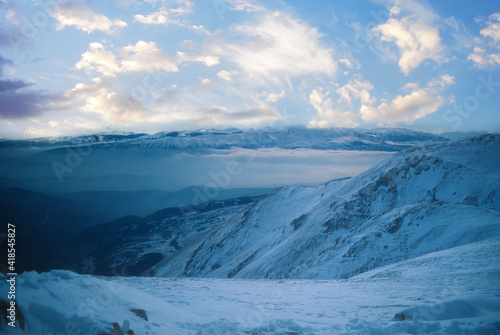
[[492, 29], [486, 55], [274, 48], [77, 13], [141, 57], [355, 97], [225, 75], [327, 115], [482, 59], [414, 35], [273, 97], [173, 16], [99, 59], [98, 99], [166, 16], [410, 107], [444, 81], [116, 108], [159, 17], [145, 56], [356, 89]]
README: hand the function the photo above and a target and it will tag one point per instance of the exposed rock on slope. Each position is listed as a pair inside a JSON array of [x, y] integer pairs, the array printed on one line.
[[421, 200]]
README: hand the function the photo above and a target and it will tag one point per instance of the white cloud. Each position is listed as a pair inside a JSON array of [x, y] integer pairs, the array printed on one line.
[[141, 57], [493, 27], [247, 6], [410, 107], [327, 114], [487, 56], [394, 11], [274, 97], [360, 91], [160, 17], [77, 13], [356, 89], [355, 97], [166, 16], [189, 45], [414, 35], [115, 108], [100, 60], [444, 81], [99, 100], [409, 87], [97, 106], [145, 56], [207, 59], [273, 48], [346, 62], [200, 30], [206, 81], [12, 15], [225, 75], [482, 59]]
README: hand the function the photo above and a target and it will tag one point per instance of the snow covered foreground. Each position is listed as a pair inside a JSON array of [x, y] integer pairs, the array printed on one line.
[[455, 291]]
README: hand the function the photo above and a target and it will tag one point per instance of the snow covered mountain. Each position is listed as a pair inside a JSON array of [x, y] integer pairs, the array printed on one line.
[[288, 138], [428, 214], [130, 245], [421, 200], [176, 160], [383, 139]]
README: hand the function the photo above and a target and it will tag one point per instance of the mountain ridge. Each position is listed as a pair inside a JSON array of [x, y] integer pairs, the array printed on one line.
[[383, 139], [418, 201]]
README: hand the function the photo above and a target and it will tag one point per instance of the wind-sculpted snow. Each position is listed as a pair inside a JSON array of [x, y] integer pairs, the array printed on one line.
[[419, 201], [454, 291]]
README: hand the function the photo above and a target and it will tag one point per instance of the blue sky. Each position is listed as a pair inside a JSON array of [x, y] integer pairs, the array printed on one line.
[[71, 67]]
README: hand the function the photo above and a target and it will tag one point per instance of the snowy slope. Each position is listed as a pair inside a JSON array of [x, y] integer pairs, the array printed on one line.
[[132, 244], [419, 201], [463, 299]]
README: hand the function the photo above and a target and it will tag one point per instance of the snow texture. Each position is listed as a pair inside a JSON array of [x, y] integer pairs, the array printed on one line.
[[454, 291]]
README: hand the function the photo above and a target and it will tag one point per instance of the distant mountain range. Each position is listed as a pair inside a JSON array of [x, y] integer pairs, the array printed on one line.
[[170, 161], [380, 139]]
